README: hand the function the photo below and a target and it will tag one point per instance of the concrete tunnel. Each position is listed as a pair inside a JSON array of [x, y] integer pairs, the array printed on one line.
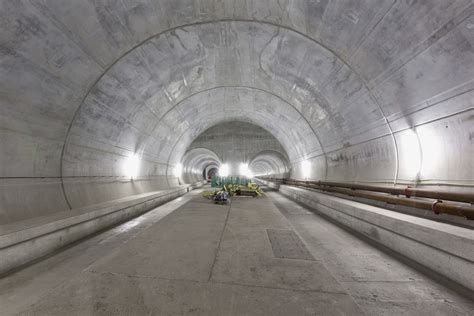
[[355, 117]]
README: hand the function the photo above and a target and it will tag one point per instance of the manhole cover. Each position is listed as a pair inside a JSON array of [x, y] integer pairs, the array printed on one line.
[[286, 244]]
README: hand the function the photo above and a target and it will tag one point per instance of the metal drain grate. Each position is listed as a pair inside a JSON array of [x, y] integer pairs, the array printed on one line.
[[286, 244]]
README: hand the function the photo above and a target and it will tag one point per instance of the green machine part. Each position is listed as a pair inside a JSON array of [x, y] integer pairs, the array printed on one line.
[[220, 181], [214, 182]]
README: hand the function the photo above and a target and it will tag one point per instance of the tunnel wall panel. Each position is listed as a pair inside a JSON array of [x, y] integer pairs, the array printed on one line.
[[27, 198], [372, 161], [86, 191]]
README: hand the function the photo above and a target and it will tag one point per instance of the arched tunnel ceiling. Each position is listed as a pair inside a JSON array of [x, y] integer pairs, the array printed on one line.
[[226, 70], [340, 83], [163, 86]]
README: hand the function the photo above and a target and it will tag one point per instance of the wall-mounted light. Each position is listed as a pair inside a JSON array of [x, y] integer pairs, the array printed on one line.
[[306, 168], [224, 170], [178, 170], [131, 166]]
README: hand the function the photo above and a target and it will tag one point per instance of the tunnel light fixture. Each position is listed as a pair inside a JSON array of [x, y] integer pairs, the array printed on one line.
[[306, 168], [224, 170], [245, 171], [178, 170], [131, 166]]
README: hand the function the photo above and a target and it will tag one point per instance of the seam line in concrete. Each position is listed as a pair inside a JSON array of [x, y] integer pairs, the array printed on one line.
[[279, 288], [151, 277], [220, 241], [281, 208]]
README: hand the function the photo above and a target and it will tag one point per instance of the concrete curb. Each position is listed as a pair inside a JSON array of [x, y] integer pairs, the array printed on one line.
[[443, 248], [26, 241]]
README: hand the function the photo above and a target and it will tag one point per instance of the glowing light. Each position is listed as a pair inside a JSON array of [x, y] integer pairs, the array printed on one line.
[[178, 170], [430, 145], [131, 166], [224, 170], [410, 153], [306, 168], [245, 171]]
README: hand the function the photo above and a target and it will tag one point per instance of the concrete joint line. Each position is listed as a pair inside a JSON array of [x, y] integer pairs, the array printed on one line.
[[220, 241], [279, 288]]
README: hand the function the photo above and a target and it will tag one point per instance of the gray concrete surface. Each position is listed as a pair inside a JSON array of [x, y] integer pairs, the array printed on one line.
[[444, 248], [102, 101], [25, 241], [367, 91], [193, 257], [379, 284]]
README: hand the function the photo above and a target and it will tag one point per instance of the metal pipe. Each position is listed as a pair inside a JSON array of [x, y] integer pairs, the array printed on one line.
[[407, 191], [437, 205]]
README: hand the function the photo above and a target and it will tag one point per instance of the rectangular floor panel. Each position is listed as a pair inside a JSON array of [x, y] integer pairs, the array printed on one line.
[[246, 257], [287, 245]]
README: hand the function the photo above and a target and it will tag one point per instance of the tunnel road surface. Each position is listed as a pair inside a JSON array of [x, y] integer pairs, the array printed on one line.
[[255, 256]]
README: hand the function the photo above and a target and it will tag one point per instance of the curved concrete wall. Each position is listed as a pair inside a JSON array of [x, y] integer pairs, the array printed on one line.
[[195, 161], [373, 91], [270, 163]]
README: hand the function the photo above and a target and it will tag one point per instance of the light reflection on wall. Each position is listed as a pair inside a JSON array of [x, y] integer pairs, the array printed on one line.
[[306, 168], [431, 147], [131, 166], [245, 171], [224, 170], [178, 170], [410, 153]]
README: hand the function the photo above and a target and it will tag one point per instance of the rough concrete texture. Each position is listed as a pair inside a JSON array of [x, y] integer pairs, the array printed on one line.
[[446, 249], [374, 91], [25, 241], [193, 257]]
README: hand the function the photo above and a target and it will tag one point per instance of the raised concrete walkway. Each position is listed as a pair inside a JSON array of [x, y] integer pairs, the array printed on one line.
[[266, 256]]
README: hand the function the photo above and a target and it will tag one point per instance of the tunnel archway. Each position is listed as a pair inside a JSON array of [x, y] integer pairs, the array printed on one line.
[[340, 100], [270, 163], [196, 162], [238, 143], [113, 112], [211, 172]]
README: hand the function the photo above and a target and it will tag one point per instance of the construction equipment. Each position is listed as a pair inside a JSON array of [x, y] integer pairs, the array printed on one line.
[[217, 181], [223, 195]]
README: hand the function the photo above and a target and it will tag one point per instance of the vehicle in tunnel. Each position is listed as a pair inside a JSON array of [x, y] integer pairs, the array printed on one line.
[[360, 110]]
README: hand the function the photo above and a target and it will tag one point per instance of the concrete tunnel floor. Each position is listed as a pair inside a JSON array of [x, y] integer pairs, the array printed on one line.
[[190, 256]]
